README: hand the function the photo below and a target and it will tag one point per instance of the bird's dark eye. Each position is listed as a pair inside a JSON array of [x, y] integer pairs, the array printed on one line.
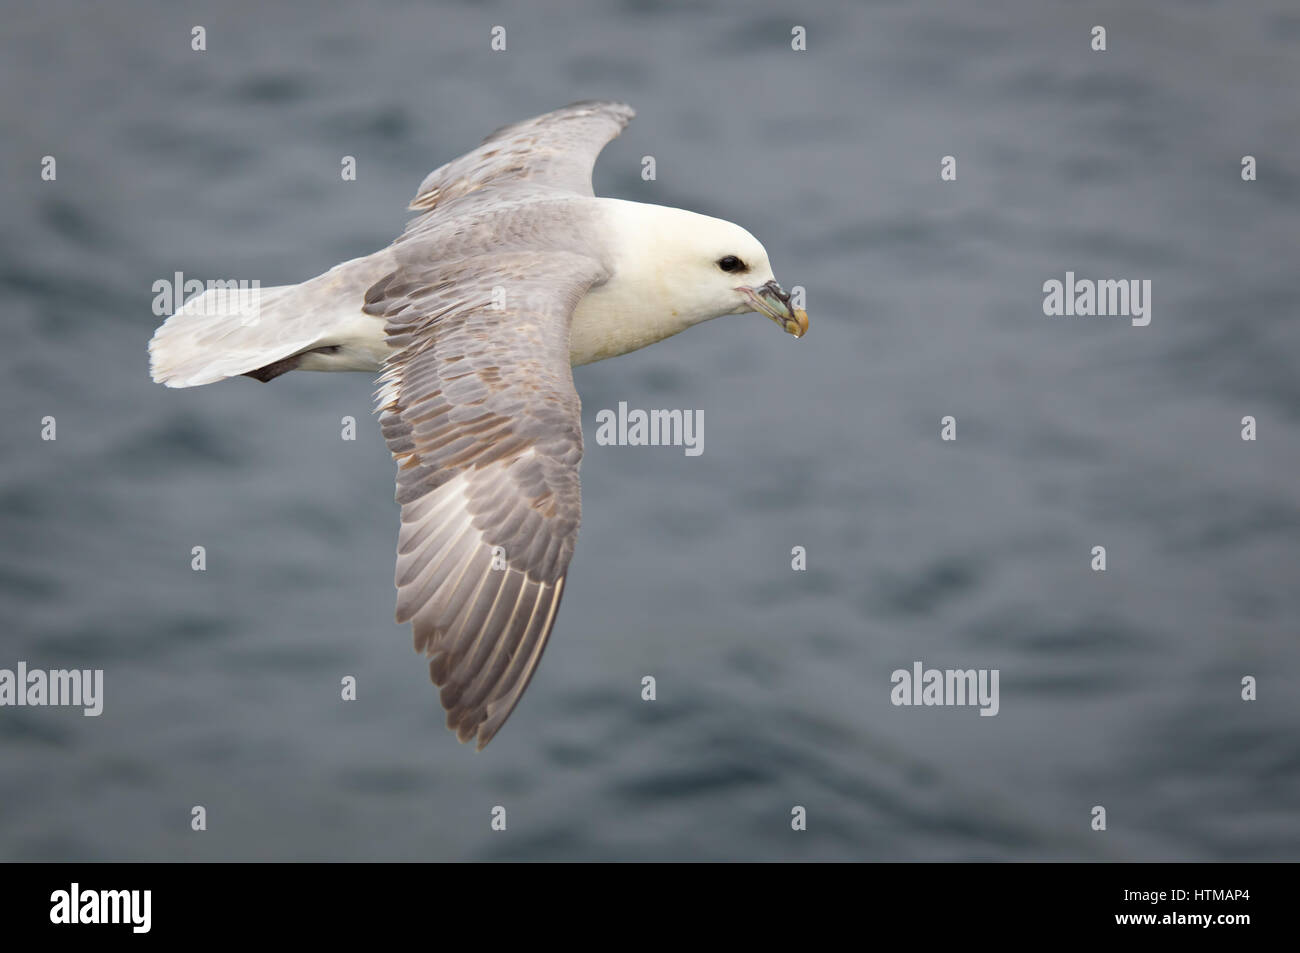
[[731, 263]]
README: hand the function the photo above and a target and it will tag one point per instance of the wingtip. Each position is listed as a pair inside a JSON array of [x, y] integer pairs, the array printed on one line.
[[626, 110], [485, 731]]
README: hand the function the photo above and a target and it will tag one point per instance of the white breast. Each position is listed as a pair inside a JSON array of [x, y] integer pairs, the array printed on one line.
[[635, 307]]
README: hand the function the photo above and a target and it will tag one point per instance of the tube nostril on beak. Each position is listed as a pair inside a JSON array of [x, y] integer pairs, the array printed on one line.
[[774, 290]]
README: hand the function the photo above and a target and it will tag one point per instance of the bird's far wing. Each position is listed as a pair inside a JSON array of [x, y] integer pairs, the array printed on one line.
[[557, 149], [479, 410]]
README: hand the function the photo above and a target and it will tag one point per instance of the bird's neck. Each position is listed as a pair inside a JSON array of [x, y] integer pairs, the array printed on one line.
[[640, 303]]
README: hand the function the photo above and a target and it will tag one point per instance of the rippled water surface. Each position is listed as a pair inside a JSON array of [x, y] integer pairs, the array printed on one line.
[[1119, 689]]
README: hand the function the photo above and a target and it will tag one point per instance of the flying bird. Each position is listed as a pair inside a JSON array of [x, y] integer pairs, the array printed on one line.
[[512, 273]]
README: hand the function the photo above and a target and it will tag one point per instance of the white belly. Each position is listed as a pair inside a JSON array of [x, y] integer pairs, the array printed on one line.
[[604, 326]]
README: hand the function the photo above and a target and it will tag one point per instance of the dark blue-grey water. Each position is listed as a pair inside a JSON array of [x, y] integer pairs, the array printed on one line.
[[1120, 689]]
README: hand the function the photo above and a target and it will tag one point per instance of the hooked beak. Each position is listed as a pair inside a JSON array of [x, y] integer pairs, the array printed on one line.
[[771, 300]]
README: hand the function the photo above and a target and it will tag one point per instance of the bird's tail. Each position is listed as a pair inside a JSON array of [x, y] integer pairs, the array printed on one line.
[[264, 332], [218, 334]]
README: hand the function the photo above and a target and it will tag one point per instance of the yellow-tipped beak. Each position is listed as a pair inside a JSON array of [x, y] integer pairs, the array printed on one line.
[[800, 327], [771, 300]]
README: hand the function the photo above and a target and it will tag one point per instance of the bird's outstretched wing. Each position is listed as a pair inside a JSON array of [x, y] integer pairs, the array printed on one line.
[[478, 406], [556, 149], [479, 410]]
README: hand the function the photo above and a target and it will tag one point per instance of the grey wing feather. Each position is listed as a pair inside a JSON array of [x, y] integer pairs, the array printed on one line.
[[557, 149], [480, 413]]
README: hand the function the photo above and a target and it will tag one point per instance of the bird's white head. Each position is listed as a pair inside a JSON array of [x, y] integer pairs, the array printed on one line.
[[673, 269], [707, 267]]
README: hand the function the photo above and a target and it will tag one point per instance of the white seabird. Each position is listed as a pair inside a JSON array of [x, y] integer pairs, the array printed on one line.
[[513, 273]]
